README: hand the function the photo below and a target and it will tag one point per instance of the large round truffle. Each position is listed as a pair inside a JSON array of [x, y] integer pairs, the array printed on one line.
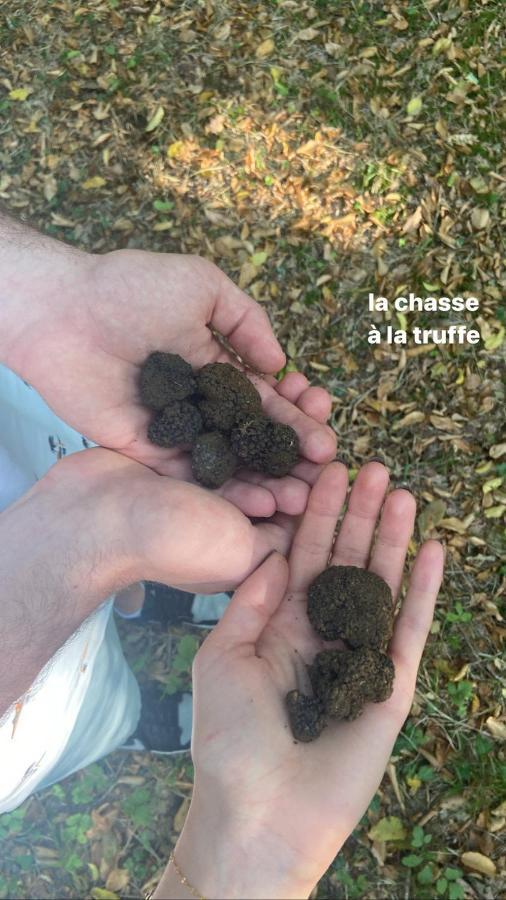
[[177, 425], [165, 377], [353, 604], [227, 395], [345, 680], [266, 446], [212, 459]]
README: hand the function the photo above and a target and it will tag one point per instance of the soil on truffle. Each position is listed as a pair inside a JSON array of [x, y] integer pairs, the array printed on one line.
[[165, 378], [213, 460], [353, 604], [266, 446], [177, 425], [228, 396]]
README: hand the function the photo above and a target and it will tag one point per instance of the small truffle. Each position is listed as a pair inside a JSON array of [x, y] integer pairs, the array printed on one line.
[[227, 395], [306, 716], [345, 680], [212, 459], [177, 425], [165, 377], [353, 604], [266, 446]]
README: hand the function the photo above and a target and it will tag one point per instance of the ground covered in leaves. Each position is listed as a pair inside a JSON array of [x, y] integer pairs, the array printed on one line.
[[317, 151]]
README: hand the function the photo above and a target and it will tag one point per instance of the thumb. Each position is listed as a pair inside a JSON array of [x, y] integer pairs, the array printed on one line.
[[253, 604]]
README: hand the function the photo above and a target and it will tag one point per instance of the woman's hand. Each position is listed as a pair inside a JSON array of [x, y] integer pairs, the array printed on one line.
[[92, 320], [269, 814]]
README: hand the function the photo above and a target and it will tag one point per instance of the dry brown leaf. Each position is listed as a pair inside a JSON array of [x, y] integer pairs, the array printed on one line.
[[480, 218], [497, 728], [412, 418], [265, 49], [431, 516]]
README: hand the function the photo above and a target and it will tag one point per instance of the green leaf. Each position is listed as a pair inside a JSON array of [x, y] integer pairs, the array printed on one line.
[[411, 860], [258, 259], [441, 885], [456, 892], [390, 828], [102, 894], [417, 837], [425, 875], [163, 206], [452, 874], [414, 106]]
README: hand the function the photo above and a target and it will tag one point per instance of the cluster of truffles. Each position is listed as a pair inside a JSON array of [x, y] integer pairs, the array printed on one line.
[[356, 606], [217, 412]]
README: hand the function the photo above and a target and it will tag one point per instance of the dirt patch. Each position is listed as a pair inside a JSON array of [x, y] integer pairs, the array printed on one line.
[[356, 606], [217, 412]]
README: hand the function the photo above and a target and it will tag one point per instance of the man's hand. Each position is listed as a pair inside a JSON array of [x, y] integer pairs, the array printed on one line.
[[96, 523], [92, 320], [269, 814]]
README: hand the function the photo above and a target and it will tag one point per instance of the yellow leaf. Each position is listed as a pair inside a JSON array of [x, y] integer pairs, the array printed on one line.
[[91, 183], [460, 377], [414, 106], [163, 226], [497, 450], [307, 34], [491, 484], [155, 119], [19, 94], [478, 862], [390, 828], [265, 49], [412, 418], [413, 783], [174, 150], [117, 880], [497, 728], [495, 340]]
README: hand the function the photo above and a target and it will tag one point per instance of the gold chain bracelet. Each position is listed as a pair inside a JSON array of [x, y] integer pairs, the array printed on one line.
[[183, 879]]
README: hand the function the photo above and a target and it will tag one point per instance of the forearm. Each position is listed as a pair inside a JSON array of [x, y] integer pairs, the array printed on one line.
[[36, 273], [54, 571]]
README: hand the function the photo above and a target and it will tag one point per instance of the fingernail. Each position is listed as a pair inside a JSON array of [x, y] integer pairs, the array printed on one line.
[[378, 459], [403, 486]]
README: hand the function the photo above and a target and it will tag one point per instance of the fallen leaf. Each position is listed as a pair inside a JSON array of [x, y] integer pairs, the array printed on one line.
[[155, 119], [431, 516], [390, 828], [247, 274], [497, 450], [91, 183], [19, 94], [117, 880], [265, 49], [414, 106], [480, 218], [478, 862], [497, 728], [413, 221], [412, 418], [307, 34], [180, 817]]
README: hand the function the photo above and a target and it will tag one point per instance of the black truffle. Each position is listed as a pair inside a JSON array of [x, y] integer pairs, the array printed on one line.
[[353, 604], [177, 425], [345, 680], [227, 395], [165, 377], [266, 446], [212, 459], [306, 716]]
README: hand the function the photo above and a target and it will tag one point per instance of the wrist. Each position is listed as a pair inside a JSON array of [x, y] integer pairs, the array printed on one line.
[[225, 853], [39, 277]]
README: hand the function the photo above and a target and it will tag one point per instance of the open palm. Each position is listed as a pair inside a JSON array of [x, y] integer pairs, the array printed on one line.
[[305, 799], [112, 311]]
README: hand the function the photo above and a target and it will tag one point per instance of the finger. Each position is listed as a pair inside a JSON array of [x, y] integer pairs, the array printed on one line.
[[394, 533], [246, 325], [254, 500], [317, 442], [353, 543], [253, 604], [292, 386], [316, 403], [290, 494], [307, 471], [313, 542], [415, 618]]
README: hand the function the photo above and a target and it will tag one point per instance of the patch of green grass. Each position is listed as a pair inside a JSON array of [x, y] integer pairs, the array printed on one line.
[[478, 772]]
